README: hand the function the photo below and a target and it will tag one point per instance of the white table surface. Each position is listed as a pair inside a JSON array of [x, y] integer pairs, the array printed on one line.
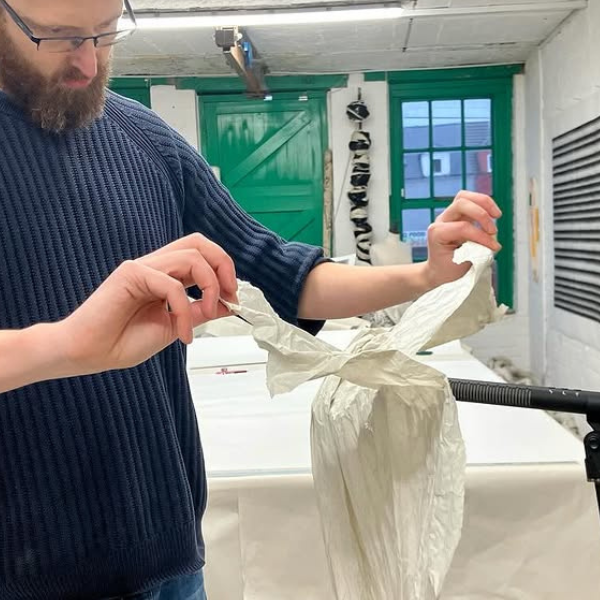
[[275, 431]]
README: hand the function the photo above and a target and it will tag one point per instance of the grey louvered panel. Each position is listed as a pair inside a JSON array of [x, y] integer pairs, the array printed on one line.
[[576, 175], [582, 144], [581, 297], [591, 182], [573, 236], [574, 197], [586, 308], [566, 216], [590, 286], [582, 225], [576, 256], [576, 266], [577, 309], [578, 157], [563, 255], [579, 246], [589, 159], [576, 203], [576, 137], [582, 206]]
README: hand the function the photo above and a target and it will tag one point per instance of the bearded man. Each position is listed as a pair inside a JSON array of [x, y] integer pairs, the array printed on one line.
[[102, 477]]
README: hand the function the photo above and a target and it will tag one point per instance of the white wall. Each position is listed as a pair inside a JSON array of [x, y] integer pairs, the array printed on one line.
[[179, 109], [536, 165], [375, 96], [563, 92]]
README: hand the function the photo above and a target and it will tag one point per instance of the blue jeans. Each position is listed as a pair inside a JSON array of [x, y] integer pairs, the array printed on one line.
[[188, 587]]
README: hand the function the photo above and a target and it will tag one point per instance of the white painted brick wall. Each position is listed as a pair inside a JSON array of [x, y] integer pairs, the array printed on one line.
[[563, 92]]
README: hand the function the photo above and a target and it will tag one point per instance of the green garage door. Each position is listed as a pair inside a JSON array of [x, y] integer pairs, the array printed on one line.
[[270, 156]]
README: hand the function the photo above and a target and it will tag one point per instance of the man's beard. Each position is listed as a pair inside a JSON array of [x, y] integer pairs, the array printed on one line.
[[49, 104]]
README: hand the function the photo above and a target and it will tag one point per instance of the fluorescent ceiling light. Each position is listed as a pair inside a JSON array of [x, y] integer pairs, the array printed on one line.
[[248, 19]]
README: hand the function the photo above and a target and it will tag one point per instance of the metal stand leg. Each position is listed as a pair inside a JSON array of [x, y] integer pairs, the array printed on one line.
[[592, 455]]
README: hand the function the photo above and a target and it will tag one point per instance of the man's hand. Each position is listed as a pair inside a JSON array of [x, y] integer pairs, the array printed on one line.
[[142, 307], [470, 217]]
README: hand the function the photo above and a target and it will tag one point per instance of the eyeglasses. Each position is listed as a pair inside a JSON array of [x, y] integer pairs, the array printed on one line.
[[58, 45]]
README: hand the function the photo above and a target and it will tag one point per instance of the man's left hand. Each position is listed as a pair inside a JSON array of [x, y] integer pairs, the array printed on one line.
[[470, 217]]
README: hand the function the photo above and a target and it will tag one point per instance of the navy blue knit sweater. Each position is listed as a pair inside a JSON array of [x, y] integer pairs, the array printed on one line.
[[102, 480]]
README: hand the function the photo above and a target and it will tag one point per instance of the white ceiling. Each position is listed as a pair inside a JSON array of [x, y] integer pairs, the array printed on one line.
[[434, 33]]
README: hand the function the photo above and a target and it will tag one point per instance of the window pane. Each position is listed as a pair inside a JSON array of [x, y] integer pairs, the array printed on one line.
[[417, 167], [479, 171], [478, 122], [414, 230], [447, 174], [415, 125], [447, 123]]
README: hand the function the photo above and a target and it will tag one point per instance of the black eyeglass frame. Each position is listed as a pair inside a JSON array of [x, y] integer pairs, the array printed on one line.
[[76, 41]]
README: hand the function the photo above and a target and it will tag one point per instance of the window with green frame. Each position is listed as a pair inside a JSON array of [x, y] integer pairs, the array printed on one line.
[[452, 130]]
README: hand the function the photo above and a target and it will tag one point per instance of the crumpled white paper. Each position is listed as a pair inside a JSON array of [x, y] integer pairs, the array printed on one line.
[[387, 453]]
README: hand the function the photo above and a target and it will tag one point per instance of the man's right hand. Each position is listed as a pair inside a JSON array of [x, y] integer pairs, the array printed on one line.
[[142, 307]]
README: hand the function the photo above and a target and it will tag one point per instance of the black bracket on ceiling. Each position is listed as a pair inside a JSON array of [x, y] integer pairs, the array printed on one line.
[[243, 57]]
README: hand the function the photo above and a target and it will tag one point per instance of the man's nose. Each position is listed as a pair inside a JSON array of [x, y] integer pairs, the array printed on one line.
[[85, 59]]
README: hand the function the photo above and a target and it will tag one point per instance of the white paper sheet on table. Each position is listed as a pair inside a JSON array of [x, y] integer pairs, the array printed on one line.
[[388, 457]]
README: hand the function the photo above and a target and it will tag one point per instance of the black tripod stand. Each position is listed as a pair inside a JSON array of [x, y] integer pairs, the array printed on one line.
[[521, 396]]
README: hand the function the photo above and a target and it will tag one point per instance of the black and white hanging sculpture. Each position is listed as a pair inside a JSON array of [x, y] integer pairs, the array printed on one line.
[[360, 144]]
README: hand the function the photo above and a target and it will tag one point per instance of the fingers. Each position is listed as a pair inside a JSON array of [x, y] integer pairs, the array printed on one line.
[[183, 261], [150, 285], [218, 260], [191, 268], [198, 316], [473, 206], [456, 233], [465, 210], [472, 218], [164, 277], [206, 279]]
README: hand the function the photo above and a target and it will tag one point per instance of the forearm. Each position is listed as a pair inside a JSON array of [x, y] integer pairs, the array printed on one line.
[[31, 355], [334, 291]]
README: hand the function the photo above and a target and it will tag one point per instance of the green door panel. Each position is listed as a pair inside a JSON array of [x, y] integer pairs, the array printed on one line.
[[135, 88], [270, 157]]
